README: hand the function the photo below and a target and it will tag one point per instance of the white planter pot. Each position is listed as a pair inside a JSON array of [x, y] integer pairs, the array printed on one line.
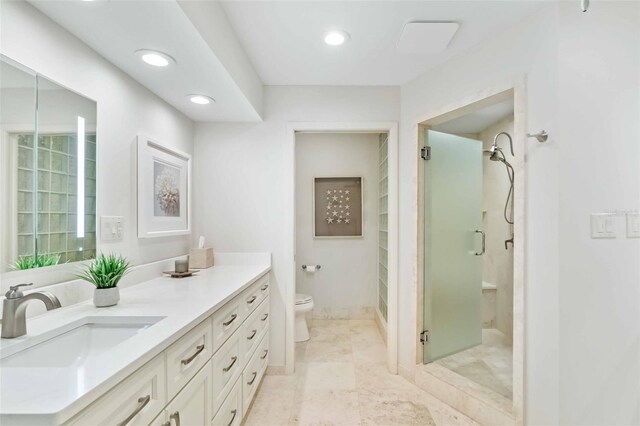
[[103, 297]]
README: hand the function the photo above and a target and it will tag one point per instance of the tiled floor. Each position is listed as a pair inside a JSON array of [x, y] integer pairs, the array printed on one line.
[[341, 379], [488, 364]]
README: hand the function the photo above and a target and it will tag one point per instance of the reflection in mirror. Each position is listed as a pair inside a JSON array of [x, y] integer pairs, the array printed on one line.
[[66, 203], [51, 199], [17, 157]]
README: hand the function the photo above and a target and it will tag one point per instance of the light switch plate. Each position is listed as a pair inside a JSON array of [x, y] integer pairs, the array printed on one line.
[[111, 228], [603, 225], [633, 225]]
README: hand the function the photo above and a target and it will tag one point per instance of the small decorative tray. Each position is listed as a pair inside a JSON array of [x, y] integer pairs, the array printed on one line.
[[175, 274]]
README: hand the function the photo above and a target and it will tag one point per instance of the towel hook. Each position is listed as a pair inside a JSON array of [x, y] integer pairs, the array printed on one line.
[[541, 136]]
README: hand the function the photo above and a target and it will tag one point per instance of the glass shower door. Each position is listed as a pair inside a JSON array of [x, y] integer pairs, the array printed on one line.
[[453, 243]]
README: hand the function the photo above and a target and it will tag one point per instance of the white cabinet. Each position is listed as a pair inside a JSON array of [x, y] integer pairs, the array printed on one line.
[[135, 401], [227, 366], [254, 371], [253, 328], [225, 322], [161, 420], [207, 377], [230, 414], [186, 356], [192, 405]]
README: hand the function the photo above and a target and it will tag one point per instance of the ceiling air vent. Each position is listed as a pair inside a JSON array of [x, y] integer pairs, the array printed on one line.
[[423, 37]]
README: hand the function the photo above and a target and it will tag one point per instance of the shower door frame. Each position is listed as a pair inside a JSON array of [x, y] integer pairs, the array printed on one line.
[[516, 90]]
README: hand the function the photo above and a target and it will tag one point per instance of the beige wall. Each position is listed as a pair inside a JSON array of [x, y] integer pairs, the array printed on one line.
[[346, 285]]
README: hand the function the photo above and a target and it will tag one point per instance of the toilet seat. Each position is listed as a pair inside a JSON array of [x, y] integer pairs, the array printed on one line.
[[302, 299]]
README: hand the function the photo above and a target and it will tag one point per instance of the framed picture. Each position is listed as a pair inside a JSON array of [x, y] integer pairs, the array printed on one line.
[[164, 190], [337, 207]]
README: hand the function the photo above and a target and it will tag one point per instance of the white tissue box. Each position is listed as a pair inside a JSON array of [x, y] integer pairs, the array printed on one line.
[[201, 258]]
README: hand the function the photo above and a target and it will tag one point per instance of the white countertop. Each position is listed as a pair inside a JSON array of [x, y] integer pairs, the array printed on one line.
[[49, 395]]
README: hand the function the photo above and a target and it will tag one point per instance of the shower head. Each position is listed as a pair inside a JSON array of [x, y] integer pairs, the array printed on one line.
[[493, 153]]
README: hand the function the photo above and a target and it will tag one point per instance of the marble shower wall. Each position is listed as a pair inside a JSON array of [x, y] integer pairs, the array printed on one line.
[[498, 262]]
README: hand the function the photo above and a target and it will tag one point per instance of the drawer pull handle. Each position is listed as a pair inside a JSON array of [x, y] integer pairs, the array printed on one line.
[[253, 334], [251, 300], [199, 349], [264, 318], [175, 416], [253, 379], [233, 318], [228, 367], [266, 351], [234, 412], [142, 402], [264, 287]]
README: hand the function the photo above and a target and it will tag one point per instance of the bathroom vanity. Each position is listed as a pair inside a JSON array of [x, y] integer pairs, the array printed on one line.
[[173, 352]]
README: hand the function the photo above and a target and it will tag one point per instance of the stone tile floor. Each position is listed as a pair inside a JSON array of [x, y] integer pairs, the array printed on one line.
[[341, 379], [488, 364]]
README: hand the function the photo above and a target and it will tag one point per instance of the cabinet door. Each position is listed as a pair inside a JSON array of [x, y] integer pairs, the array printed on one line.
[[192, 405], [135, 401], [161, 420], [187, 356]]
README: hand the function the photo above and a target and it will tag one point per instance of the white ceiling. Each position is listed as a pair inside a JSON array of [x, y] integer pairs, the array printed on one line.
[[217, 45], [116, 29], [476, 121], [284, 38]]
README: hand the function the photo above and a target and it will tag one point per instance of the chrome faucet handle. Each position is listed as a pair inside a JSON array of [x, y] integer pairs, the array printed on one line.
[[15, 292]]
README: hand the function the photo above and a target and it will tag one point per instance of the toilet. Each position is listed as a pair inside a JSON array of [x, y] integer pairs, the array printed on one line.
[[304, 304]]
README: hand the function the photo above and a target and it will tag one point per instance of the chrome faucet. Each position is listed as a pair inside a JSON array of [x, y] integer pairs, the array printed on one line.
[[14, 309]]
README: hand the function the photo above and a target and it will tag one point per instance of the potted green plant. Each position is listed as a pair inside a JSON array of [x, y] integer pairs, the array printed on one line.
[[104, 272]]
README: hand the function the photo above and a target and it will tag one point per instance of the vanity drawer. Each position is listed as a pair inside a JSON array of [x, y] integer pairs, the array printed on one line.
[[138, 399], [251, 297], [253, 328], [227, 367], [253, 372], [186, 356], [230, 413], [225, 321]]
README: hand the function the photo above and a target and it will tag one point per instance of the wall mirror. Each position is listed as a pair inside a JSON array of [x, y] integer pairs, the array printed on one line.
[[47, 171]]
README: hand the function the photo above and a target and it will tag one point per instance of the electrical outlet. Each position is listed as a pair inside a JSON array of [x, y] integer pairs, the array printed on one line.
[[111, 228]]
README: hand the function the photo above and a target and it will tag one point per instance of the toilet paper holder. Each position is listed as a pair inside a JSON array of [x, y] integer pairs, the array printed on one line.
[[311, 267]]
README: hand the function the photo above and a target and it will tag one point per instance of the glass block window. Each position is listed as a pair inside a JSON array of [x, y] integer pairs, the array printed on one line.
[[383, 218], [56, 196]]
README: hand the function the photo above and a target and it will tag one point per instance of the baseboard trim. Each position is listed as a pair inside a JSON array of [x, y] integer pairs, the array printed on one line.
[[276, 370]]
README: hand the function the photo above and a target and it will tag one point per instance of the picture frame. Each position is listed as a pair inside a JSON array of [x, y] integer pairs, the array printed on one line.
[[164, 189], [338, 207]]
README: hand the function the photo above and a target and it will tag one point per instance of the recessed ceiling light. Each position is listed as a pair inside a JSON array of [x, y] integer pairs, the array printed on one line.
[[201, 99], [336, 37], [155, 58]]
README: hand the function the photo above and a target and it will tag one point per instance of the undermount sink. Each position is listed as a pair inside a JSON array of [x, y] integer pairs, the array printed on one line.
[[76, 343]]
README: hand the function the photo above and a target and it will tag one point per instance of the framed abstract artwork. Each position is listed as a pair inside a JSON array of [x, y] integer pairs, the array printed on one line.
[[337, 209], [164, 190]]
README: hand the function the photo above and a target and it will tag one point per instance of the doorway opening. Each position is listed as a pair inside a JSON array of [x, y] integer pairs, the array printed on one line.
[[328, 249], [471, 250]]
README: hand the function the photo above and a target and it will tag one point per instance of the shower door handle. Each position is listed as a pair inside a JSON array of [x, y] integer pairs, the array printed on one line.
[[484, 241]]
